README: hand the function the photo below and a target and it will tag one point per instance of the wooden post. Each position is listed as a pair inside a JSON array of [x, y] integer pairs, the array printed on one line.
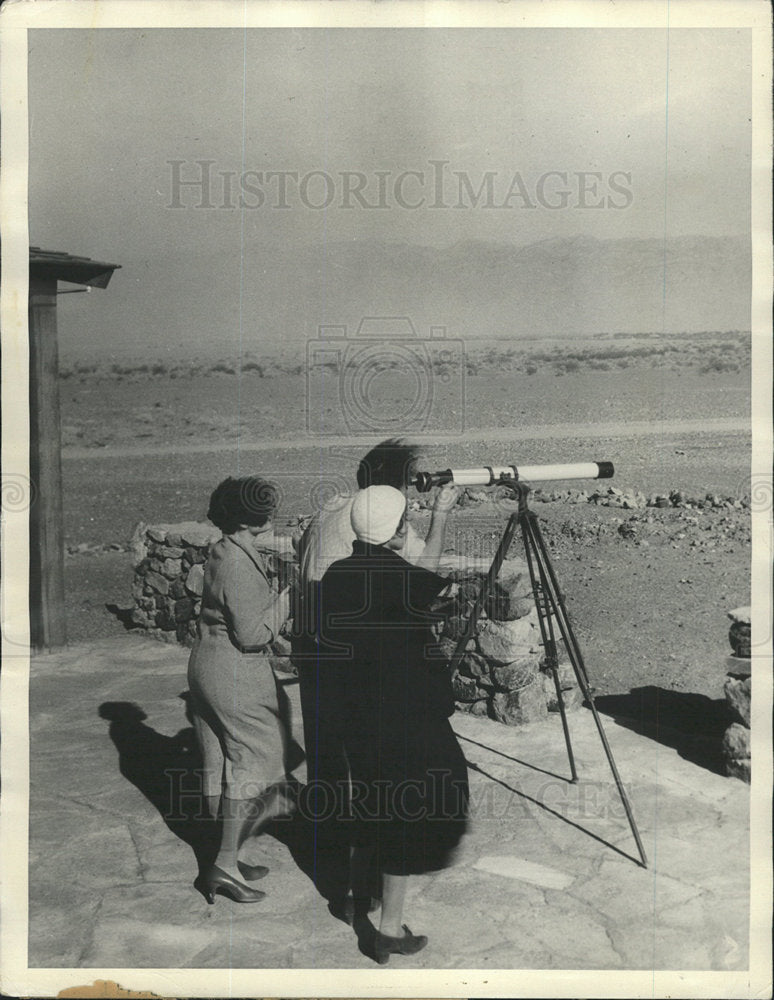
[[47, 613]]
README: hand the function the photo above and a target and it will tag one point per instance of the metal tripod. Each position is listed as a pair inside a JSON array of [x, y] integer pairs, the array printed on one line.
[[551, 609]]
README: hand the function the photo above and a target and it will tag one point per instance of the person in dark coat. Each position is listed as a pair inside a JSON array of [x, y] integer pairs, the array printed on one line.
[[326, 539], [409, 789]]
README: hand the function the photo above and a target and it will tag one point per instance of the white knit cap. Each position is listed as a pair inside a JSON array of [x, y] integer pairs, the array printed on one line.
[[376, 513]]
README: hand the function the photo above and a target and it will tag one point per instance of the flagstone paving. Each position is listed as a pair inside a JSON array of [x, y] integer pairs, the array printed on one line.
[[546, 878]]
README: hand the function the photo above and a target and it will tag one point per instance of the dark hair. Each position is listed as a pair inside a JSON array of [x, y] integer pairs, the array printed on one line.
[[390, 463], [249, 500]]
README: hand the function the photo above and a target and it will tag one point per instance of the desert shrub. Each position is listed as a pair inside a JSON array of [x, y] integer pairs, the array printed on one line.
[[531, 369], [719, 365], [159, 369], [221, 366]]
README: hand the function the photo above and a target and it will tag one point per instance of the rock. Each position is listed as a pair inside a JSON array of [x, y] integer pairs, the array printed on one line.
[[515, 708], [157, 582], [194, 582], [738, 666], [158, 532], [736, 742], [440, 651], [737, 694], [740, 637], [504, 642], [177, 589], [473, 664], [183, 609], [464, 688], [736, 751], [562, 661], [571, 696], [137, 544], [170, 551], [510, 598], [454, 627], [469, 588], [511, 568], [171, 568], [194, 555], [166, 621], [192, 533], [140, 616], [740, 768], [517, 674], [479, 707]]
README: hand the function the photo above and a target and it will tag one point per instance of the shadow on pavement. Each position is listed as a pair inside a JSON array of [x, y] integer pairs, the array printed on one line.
[[167, 770], [692, 724]]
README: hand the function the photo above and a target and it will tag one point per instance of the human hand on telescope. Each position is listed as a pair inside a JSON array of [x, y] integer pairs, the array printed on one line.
[[445, 498]]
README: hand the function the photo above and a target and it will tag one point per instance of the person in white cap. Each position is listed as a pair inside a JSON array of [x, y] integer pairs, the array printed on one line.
[[329, 537], [408, 773]]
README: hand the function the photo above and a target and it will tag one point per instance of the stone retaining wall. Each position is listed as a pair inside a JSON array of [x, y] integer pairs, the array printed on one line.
[[499, 676], [169, 577], [501, 673], [738, 689]]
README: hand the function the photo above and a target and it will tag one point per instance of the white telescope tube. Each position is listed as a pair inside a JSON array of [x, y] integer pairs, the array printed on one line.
[[489, 475]]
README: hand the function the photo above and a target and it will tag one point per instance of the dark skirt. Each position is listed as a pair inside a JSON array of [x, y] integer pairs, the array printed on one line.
[[409, 793]]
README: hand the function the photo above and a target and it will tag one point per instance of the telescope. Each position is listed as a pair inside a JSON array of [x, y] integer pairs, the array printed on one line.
[[490, 475], [552, 617]]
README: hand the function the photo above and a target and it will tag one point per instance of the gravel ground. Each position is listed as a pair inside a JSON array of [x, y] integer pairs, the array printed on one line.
[[649, 604], [647, 590]]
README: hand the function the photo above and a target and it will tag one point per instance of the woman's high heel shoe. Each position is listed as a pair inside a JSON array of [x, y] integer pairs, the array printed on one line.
[[215, 880], [409, 944], [251, 873]]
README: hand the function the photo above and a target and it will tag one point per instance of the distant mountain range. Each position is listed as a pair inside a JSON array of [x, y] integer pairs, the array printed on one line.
[[198, 302], [556, 288]]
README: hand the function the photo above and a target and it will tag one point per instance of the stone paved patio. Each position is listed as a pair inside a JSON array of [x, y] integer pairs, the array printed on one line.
[[545, 879]]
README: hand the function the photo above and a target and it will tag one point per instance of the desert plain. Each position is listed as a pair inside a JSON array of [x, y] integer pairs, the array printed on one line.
[[648, 587]]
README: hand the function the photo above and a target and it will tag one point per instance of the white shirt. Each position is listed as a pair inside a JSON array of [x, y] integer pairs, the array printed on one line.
[[329, 537]]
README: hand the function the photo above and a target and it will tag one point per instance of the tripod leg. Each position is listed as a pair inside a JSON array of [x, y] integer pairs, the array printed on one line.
[[547, 633], [483, 594], [555, 602]]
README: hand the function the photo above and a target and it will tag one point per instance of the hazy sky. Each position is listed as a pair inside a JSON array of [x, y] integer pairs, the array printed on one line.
[[663, 118]]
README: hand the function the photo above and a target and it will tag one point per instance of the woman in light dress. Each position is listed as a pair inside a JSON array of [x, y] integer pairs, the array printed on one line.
[[234, 698]]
